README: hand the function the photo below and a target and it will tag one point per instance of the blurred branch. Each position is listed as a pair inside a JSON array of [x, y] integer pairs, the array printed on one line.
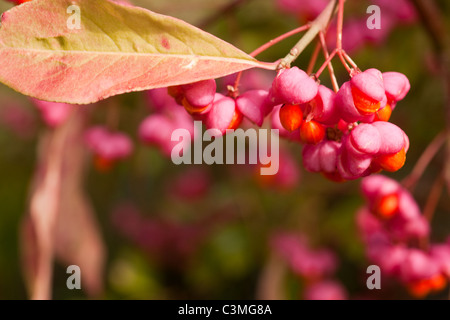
[[433, 198], [270, 282], [434, 24], [411, 180]]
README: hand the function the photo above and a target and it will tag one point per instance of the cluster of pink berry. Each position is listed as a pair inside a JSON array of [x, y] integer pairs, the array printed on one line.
[[393, 228], [347, 135], [218, 111], [314, 266]]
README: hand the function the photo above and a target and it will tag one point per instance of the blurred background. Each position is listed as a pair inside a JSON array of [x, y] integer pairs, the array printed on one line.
[[217, 232]]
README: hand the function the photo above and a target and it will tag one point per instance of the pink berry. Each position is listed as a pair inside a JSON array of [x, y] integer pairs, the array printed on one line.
[[293, 86], [108, 145], [321, 157], [396, 86], [53, 113], [323, 106], [221, 115], [254, 105], [199, 94]]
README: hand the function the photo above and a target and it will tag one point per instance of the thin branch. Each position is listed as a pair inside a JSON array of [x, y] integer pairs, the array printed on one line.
[[330, 65], [430, 206], [313, 60], [234, 89], [319, 24], [325, 64], [411, 180], [340, 24], [350, 60], [272, 42], [344, 62], [433, 198]]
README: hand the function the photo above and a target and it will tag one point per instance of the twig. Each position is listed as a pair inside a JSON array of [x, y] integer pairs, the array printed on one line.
[[319, 24], [430, 206], [272, 42], [411, 180], [340, 24], [330, 65], [433, 198], [234, 89], [325, 64], [313, 60]]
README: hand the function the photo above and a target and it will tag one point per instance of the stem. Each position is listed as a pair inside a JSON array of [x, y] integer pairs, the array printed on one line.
[[347, 57], [433, 198], [340, 24], [411, 180], [430, 207], [234, 90], [344, 63], [325, 64], [313, 60], [278, 39], [330, 65], [319, 24]]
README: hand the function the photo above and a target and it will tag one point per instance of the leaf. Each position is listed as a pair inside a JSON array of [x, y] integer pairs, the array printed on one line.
[[117, 49]]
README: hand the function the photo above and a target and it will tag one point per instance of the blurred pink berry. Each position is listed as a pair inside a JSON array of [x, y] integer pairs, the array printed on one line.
[[108, 145], [311, 264], [53, 113], [404, 220], [417, 266], [325, 290], [287, 176], [399, 10], [308, 9], [190, 185], [157, 129], [441, 254]]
